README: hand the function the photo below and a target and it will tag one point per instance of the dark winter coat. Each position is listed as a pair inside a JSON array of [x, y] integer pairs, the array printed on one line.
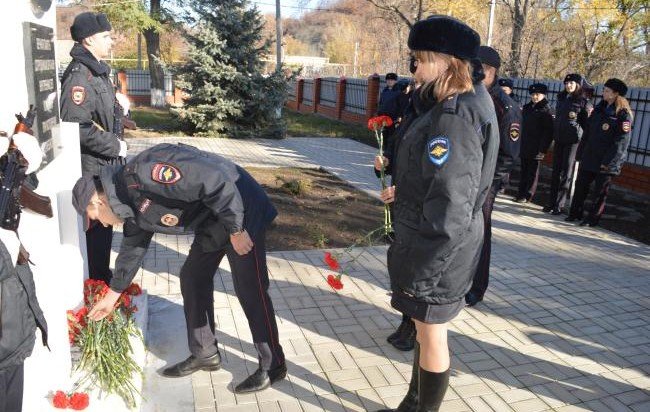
[[509, 117], [388, 102], [444, 165], [571, 115], [208, 194], [88, 98], [606, 139], [537, 129], [20, 313]]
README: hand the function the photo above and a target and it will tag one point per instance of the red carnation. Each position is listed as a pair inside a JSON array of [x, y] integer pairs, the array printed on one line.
[[374, 123], [79, 401], [134, 290], [60, 400], [386, 121], [331, 261], [335, 282]]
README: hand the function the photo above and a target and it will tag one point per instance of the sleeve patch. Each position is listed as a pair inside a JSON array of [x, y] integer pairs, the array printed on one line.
[[166, 174], [514, 132], [78, 95], [626, 126], [438, 148]]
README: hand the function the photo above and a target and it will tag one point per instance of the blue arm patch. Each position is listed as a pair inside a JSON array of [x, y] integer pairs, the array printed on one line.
[[438, 148]]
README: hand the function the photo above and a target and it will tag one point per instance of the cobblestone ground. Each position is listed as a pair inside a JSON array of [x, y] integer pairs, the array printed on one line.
[[565, 325]]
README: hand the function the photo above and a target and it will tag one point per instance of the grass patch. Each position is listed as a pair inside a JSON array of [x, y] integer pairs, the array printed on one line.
[[154, 122], [314, 125]]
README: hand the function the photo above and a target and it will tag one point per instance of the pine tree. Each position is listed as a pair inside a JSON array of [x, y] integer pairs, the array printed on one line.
[[228, 94]]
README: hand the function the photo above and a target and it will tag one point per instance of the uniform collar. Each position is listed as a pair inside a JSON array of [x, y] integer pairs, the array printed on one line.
[[82, 54], [109, 176]]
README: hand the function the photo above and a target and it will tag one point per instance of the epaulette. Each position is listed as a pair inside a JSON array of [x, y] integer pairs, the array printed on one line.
[[450, 104]]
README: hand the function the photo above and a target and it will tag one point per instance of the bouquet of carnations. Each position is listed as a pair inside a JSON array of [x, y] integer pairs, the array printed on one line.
[[106, 351]]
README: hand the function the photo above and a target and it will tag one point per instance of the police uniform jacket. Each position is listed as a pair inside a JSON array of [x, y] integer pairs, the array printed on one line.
[[571, 115], [509, 118], [88, 98], [179, 189], [444, 166], [536, 129], [606, 140], [20, 313], [389, 102]]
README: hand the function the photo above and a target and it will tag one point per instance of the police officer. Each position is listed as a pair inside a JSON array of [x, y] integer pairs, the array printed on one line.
[[508, 87], [88, 98], [444, 166], [178, 189], [20, 313], [571, 113], [602, 151], [536, 137], [509, 117]]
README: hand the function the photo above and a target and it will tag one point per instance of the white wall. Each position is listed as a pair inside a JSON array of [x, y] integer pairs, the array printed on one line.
[[54, 244]]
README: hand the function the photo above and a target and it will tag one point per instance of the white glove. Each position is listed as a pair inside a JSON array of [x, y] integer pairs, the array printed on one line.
[[124, 102], [31, 150], [4, 144], [122, 148], [11, 242]]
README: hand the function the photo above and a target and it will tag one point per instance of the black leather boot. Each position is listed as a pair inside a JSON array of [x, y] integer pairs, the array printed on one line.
[[393, 336], [433, 386], [406, 340], [410, 401], [262, 379], [193, 364]]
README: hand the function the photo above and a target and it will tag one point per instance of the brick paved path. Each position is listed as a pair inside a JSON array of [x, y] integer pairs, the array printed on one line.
[[565, 325]]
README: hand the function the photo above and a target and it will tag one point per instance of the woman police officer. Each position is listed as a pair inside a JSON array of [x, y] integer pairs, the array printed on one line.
[[602, 150], [444, 165]]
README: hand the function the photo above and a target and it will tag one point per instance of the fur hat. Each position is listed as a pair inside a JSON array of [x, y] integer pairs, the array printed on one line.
[[86, 24], [445, 34], [573, 77], [617, 85], [537, 88], [391, 76], [506, 83], [489, 56]]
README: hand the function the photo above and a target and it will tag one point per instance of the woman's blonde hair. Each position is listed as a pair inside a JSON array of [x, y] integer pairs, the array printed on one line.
[[621, 103], [456, 79]]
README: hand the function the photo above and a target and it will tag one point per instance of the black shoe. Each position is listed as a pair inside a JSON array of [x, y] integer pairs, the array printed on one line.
[[395, 335], [556, 212], [471, 299], [193, 364], [547, 209], [571, 219], [585, 222], [262, 379], [521, 200], [406, 340]]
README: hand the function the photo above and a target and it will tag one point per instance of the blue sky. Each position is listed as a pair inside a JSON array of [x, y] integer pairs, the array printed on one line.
[[289, 7]]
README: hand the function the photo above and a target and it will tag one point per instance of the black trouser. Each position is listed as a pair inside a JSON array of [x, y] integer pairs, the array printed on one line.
[[11, 388], [98, 244], [251, 281], [564, 159], [482, 275], [528, 178], [583, 184]]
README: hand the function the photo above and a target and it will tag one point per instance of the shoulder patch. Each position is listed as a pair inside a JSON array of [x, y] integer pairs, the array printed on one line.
[[166, 174], [626, 126], [514, 132], [438, 148], [78, 95]]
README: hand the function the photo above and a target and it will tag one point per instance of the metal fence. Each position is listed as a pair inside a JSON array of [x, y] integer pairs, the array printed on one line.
[[328, 91], [356, 95], [308, 92], [139, 83]]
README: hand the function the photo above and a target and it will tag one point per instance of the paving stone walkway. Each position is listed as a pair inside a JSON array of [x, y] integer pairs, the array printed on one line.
[[565, 325]]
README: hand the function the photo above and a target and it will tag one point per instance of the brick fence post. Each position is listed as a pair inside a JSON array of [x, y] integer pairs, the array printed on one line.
[[316, 99], [121, 77], [299, 91], [373, 95], [340, 97]]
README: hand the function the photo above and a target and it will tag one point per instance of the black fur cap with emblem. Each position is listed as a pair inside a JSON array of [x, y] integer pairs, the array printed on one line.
[[617, 85], [88, 23], [537, 88]]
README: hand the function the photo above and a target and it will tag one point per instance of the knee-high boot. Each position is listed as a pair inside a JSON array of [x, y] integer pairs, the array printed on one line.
[[410, 401], [431, 391]]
